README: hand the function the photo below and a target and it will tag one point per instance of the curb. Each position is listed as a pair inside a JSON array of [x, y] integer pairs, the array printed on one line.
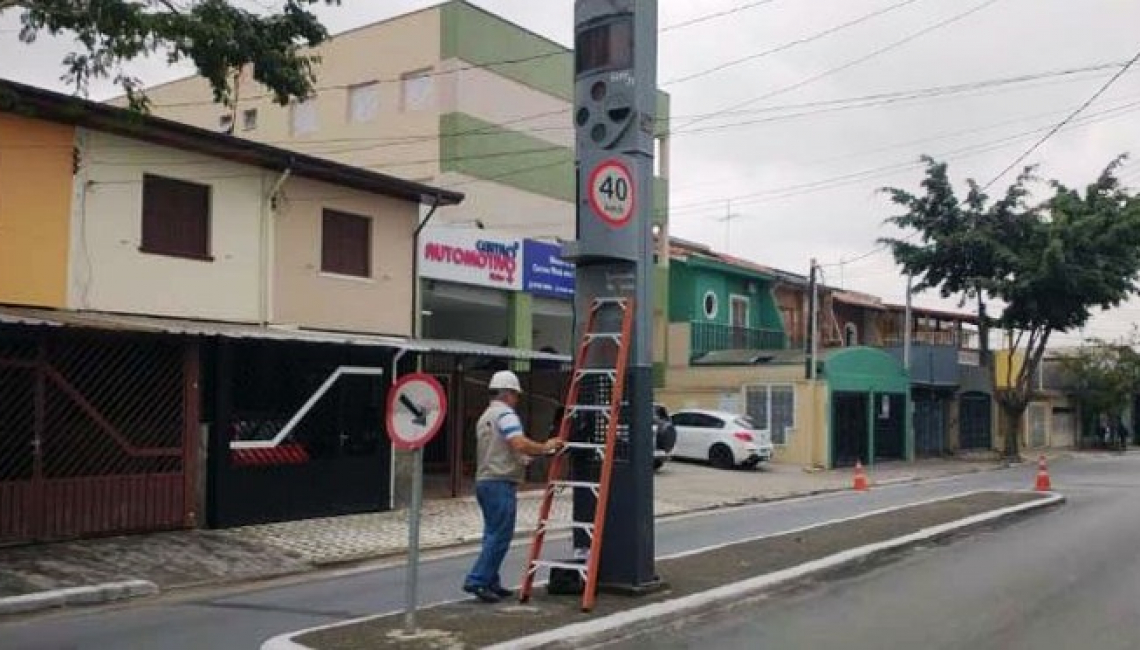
[[643, 618], [87, 595], [579, 634], [114, 591]]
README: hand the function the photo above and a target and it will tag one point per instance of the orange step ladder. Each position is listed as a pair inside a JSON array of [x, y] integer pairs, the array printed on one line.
[[602, 356]]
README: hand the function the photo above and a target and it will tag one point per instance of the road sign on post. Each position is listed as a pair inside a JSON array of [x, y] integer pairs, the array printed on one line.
[[613, 195], [615, 109], [417, 406]]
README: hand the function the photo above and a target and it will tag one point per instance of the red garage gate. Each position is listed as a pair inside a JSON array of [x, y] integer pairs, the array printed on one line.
[[97, 433]]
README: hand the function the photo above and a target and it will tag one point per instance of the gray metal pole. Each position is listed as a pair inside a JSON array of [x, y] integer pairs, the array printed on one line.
[[411, 587], [907, 325], [814, 325]]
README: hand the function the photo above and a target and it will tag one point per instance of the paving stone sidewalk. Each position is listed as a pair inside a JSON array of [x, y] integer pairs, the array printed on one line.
[[189, 558]]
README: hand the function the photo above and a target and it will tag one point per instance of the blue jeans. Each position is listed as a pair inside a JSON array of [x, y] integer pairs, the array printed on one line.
[[499, 503]]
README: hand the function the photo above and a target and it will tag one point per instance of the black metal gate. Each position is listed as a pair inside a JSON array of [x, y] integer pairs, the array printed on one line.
[[337, 461], [890, 426], [976, 421], [929, 425], [849, 424]]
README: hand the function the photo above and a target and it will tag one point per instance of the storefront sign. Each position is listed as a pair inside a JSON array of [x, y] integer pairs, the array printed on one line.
[[471, 256], [545, 273]]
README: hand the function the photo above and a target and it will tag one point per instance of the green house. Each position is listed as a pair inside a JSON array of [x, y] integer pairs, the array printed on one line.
[[727, 304]]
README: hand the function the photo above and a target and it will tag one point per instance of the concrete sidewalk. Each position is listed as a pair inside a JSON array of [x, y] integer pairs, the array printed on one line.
[[194, 558]]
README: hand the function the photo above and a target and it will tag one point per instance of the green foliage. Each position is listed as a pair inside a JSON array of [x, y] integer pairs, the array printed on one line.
[[219, 38], [1104, 376], [1049, 263]]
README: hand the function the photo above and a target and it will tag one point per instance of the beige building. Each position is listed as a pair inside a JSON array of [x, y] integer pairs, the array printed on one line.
[[457, 97], [169, 220]]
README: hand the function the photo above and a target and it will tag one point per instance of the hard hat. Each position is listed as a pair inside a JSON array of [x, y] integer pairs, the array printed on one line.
[[505, 380]]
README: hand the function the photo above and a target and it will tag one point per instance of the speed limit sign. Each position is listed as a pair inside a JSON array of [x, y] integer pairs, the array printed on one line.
[[612, 194]]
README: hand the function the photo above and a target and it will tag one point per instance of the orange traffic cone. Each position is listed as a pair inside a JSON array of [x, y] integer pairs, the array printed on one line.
[[1043, 482], [860, 477]]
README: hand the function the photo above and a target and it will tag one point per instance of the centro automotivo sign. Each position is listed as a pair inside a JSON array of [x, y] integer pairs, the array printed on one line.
[[472, 257]]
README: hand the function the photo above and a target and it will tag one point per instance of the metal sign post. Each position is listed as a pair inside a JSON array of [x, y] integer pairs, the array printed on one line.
[[615, 109], [417, 406]]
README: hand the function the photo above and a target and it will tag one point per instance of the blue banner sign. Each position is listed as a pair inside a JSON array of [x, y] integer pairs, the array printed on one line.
[[544, 272]]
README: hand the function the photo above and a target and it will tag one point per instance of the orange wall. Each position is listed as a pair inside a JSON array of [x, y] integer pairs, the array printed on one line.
[[35, 210]]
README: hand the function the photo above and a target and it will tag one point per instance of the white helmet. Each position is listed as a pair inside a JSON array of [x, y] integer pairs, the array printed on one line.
[[505, 380]]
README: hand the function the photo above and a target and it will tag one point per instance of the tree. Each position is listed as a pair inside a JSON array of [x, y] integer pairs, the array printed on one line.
[[1104, 376], [1049, 263], [219, 38]]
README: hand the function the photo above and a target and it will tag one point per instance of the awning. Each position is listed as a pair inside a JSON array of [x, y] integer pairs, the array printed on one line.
[[31, 317]]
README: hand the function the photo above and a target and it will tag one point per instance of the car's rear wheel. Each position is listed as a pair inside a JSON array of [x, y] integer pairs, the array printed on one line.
[[720, 456]]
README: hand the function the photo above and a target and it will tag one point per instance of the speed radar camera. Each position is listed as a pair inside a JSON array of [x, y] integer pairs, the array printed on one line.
[[614, 108]]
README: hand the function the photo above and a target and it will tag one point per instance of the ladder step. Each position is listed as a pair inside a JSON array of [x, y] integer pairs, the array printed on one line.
[[590, 408], [576, 485], [594, 336], [553, 564], [570, 525], [585, 445], [597, 372]]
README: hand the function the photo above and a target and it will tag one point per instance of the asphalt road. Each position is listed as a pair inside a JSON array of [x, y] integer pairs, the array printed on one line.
[[1065, 579], [238, 619]]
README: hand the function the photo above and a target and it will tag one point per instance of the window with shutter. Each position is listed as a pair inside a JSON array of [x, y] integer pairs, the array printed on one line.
[[175, 218], [346, 244]]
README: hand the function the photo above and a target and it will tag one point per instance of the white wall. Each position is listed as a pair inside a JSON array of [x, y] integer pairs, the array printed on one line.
[[506, 209], [109, 273]]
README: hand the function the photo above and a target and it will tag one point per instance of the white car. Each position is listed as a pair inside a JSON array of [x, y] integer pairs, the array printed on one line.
[[724, 439]]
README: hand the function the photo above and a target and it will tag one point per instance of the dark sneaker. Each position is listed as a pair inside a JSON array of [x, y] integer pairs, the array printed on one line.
[[484, 594], [502, 592]]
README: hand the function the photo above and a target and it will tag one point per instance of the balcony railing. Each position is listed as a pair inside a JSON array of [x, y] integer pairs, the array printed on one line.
[[965, 340], [714, 337]]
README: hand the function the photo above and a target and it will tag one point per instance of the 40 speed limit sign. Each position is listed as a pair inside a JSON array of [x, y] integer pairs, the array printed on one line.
[[612, 194]]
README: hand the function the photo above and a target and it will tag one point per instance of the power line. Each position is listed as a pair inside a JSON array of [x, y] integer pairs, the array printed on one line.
[[714, 16], [1060, 125], [867, 174], [855, 62], [790, 44]]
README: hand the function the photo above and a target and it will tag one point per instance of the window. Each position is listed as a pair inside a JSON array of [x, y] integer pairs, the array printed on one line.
[[175, 218], [418, 90], [738, 308], [685, 419], [698, 420], [249, 119], [346, 244], [226, 123], [363, 102], [710, 305], [772, 407], [304, 117]]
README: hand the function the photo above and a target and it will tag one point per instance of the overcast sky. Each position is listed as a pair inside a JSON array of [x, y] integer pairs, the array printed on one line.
[[803, 187]]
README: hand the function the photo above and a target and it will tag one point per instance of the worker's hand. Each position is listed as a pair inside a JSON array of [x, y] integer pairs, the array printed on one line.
[[553, 445]]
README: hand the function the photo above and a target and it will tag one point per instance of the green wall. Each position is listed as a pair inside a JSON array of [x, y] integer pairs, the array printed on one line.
[[482, 38], [483, 150], [690, 280]]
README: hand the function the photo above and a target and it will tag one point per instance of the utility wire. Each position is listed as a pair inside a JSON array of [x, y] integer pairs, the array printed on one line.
[[714, 16], [855, 62], [790, 44], [1060, 125]]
